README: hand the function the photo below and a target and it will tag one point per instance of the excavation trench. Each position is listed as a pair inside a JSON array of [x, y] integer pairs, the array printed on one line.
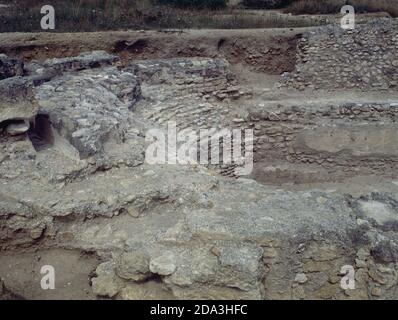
[[261, 50], [131, 204], [305, 145]]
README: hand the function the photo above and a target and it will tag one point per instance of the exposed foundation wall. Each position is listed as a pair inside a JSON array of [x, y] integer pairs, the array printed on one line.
[[365, 58], [184, 76], [344, 137]]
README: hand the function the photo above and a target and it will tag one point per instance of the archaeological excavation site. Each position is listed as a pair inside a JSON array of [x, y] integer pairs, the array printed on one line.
[[307, 210]]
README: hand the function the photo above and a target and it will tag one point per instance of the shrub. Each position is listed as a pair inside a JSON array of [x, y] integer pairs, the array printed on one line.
[[266, 4], [316, 6], [198, 4], [95, 15], [334, 6]]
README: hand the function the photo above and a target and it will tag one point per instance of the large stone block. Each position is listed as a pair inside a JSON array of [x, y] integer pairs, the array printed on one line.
[[87, 60], [17, 99]]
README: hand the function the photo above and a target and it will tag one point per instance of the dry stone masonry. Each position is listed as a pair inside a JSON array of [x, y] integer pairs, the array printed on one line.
[[181, 76], [90, 107], [331, 58], [343, 137]]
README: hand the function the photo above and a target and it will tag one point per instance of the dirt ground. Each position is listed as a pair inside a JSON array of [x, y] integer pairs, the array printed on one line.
[[19, 268], [260, 48]]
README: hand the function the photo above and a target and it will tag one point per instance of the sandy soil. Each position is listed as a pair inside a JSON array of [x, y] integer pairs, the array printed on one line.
[[18, 269]]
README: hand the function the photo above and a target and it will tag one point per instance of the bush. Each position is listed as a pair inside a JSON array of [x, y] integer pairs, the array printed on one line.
[[334, 6], [316, 7], [266, 4], [197, 4]]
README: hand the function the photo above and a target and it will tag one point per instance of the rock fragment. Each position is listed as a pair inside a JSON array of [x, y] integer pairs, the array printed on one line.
[[10, 67], [133, 266], [163, 265], [301, 278], [17, 128], [106, 284], [87, 60]]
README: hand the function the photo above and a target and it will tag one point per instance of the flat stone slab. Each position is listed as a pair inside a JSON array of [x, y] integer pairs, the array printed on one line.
[[83, 61]]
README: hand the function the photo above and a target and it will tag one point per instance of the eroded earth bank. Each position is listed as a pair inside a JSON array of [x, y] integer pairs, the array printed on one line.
[[78, 194]]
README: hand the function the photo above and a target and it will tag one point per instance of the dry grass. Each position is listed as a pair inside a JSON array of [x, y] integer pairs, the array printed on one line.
[[73, 15], [93, 15], [227, 19], [334, 6]]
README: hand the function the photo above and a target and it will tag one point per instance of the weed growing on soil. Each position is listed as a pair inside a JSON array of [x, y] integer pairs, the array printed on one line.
[[96, 15], [334, 6]]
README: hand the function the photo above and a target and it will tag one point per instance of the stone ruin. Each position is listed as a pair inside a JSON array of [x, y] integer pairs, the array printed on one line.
[[365, 58], [76, 186]]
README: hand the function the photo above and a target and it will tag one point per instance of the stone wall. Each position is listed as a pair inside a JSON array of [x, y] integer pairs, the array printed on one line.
[[345, 136], [183, 76], [90, 107], [365, 58], [87, 108]]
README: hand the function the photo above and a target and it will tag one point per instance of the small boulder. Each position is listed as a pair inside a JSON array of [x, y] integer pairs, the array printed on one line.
[[133, 266], [163, 265], [17, 128], [106, 284], [301, 278]]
